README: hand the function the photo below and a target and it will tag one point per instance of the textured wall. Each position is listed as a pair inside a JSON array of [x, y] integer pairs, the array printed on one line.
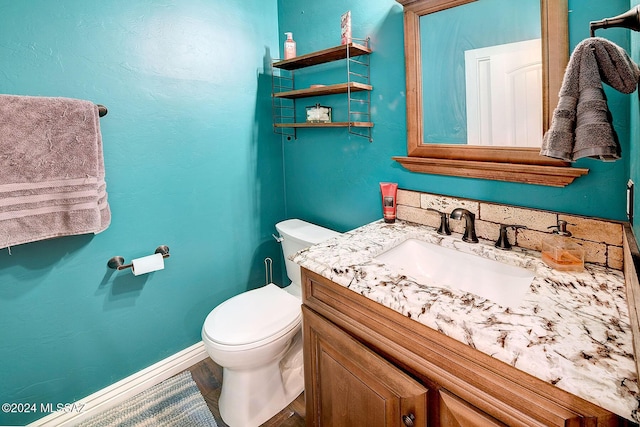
[[332, 178], [191, 162], [600, 239]]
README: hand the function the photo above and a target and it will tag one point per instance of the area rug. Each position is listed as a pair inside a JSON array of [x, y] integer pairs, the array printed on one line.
[[175, 402]]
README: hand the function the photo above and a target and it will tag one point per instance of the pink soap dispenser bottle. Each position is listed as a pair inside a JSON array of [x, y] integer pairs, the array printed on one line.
[[289, 46]]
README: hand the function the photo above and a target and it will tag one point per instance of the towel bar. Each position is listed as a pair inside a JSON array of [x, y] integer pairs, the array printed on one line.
[[117, 262], [629, 20], [102, 110]]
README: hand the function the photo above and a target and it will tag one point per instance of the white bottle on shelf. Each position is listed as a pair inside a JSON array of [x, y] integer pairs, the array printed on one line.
[[289, 46]]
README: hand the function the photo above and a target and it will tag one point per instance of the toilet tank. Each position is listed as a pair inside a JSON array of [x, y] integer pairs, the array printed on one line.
[[296, 235]]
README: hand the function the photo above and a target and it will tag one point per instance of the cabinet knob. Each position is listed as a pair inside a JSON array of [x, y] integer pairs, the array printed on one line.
[[408, 420]]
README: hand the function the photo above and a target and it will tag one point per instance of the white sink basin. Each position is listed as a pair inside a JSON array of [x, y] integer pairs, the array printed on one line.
[[434, 265]]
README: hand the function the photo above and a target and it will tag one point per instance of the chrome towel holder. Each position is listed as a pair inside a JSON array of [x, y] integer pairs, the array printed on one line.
[[117, 262]]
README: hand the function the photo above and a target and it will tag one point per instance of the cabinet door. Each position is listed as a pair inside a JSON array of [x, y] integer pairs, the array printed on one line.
[[348, 385], [455, 412]]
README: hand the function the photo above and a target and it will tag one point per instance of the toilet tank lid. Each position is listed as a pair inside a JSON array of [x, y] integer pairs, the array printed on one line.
[[252, 316], [305, 231]]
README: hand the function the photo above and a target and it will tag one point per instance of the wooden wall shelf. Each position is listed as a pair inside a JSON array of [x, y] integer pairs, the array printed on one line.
[[323, 56], [555, 176], [324, 90], [284, 93], [324, 125]]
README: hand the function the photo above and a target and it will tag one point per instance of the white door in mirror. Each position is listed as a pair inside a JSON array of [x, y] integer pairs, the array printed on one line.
[[504, 82]]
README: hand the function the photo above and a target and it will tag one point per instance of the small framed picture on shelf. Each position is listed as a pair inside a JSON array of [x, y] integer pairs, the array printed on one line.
[[318, 114]]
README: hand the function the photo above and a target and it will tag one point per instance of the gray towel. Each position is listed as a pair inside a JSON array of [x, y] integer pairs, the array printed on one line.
[[51, 169], [581, 125]]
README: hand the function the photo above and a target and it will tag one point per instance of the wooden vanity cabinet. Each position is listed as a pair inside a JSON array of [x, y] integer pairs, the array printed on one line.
[[367, 365], [352, 385]]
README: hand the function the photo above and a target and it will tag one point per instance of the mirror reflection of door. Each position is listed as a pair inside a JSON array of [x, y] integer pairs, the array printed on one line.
[[446, 37], [504, 83]]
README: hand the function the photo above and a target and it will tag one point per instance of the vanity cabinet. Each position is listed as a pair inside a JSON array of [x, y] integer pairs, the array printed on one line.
[[354, 386], [356, 59], [368, 365]]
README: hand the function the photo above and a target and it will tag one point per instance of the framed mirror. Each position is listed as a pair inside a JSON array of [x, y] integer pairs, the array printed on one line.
[[456, 154]]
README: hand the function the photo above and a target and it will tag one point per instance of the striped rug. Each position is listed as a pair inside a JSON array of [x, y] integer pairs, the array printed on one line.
[[175, 402]]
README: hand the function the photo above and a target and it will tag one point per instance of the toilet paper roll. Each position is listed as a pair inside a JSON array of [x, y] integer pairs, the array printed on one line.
[[147, 264]]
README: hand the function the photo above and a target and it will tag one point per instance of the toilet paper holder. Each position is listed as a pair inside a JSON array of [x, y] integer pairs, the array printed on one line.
[[117, 262]]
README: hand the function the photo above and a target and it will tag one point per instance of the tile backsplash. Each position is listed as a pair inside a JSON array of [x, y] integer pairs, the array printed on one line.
[[601, 239]]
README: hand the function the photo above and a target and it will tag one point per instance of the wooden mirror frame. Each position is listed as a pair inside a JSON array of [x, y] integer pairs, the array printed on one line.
[[497, 163]]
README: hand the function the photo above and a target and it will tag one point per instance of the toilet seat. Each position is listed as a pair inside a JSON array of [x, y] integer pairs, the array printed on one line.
[[253, 318]]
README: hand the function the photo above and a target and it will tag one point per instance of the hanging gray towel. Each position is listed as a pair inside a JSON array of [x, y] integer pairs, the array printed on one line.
[[51, 169], [581, 125]]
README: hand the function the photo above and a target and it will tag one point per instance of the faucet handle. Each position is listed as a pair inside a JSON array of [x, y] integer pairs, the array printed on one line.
[[503, 239], [444, 222], [561, 228]]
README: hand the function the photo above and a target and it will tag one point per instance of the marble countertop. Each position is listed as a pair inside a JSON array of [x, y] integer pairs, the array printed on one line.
[[571, 330]]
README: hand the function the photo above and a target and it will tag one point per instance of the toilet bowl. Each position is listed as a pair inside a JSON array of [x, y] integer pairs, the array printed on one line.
[[256, 337]]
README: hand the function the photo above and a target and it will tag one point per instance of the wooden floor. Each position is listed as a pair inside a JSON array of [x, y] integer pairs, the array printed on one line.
[[208, 376]]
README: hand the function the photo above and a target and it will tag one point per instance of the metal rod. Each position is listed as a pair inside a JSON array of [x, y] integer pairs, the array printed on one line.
[[117, 262], [629, 20], [363, 63], [102, 110], [268, 270]]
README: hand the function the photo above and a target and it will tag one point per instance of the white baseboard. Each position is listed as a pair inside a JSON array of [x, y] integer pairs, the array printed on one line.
[[128, 387]]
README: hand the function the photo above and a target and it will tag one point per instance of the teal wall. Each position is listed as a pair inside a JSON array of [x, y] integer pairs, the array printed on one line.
[[332, 178], [191, 162]]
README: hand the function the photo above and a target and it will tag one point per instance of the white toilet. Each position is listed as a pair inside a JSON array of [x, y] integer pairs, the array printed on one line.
[[256, 337]]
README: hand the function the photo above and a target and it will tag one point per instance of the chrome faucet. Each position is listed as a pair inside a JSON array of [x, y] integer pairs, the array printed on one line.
[[470, 224]]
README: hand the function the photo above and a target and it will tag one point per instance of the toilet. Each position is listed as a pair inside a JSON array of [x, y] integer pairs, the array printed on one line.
[[256, 337]]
